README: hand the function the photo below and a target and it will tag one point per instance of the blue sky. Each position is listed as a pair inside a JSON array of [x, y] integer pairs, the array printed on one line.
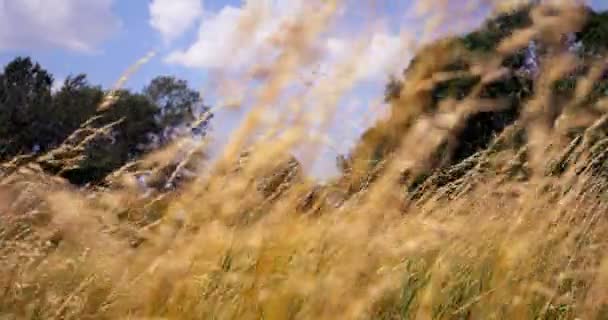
[[102, 38], [130, 36]]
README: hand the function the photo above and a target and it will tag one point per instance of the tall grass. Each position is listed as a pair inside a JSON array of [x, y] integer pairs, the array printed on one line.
[[515, 231]]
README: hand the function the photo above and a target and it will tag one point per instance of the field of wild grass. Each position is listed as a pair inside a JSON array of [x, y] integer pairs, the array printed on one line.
[[425, 227]]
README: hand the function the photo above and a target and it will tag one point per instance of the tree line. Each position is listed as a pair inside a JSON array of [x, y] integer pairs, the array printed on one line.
[[35, 119]]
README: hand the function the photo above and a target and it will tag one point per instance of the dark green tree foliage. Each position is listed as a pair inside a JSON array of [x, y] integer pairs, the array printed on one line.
[[35, 120], [482, 127], [73, 104], [594, 35], [592, 43], [495, 30], [178, 104], [91, 156], [25, 100], [457, 88], [134, 134], [174, 98]]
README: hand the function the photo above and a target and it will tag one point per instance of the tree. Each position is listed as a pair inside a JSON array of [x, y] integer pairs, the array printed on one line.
[[135, 133], [73, 104], [104, 152], [25, 99], [178, 104], [496, 29], [66, 132], [594, 34], [453, 59]]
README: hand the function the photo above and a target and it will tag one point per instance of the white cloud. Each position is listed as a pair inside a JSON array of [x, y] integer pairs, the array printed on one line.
[[234, 35], [382, 54], [223, 41], [57, 84], [213, 47], [72, 24], [174, 17]]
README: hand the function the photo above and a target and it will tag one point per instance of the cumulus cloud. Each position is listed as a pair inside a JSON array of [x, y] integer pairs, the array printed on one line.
[[72, 24], [174, 17], [233, 35], [223, 41], [382, 54], [213, 47]]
